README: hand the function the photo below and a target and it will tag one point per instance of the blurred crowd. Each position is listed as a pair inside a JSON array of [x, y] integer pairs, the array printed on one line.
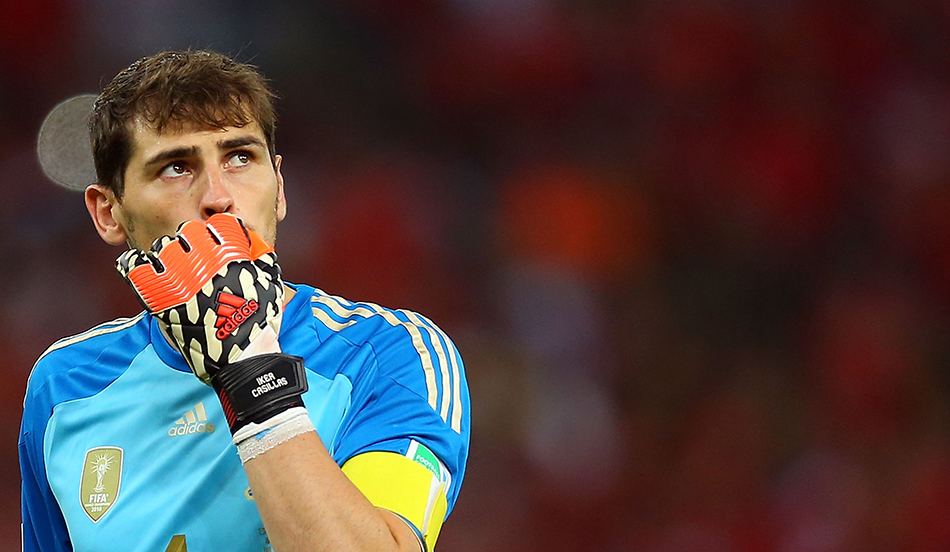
[[695, 253]]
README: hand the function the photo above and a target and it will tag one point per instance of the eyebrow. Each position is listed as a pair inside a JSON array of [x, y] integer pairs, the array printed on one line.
[[240, 142], [168, 155], [191, 151]]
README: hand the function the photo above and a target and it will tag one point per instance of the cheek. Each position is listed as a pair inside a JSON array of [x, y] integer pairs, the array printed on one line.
[[260, 210], [160, 220], [257, 199]]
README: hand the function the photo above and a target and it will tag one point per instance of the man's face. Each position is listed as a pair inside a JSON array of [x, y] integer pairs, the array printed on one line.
[[194, 173]]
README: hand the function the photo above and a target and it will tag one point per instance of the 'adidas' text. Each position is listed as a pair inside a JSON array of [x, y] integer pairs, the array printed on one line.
[[194, 421], [232, 311]]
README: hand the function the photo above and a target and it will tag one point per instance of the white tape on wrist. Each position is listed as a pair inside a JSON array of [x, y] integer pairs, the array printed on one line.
[[253, 440]]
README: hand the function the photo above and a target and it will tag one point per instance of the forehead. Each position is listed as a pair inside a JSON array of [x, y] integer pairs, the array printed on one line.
[[147, 141]]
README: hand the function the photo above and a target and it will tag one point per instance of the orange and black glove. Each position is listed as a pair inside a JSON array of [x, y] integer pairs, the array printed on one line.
[[216, 292]]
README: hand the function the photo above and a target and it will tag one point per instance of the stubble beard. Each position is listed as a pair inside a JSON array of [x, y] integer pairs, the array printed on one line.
[[269, 234]]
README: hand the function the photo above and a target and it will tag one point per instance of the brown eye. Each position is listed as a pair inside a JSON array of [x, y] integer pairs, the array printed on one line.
[[239, 159], [173, 170]]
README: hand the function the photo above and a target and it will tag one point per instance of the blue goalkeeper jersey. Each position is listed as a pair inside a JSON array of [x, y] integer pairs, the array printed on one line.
[[123, 449]]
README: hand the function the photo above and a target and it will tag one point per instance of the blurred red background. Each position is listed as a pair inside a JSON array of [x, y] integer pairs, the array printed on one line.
[[695, 254]]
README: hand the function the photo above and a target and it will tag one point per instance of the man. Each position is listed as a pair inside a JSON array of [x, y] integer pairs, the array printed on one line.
[[351, 421]]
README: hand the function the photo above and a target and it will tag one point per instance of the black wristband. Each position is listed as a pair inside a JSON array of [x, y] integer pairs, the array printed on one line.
[[256, 389]]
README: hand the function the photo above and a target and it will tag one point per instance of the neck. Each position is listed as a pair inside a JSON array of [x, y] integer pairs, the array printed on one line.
[[289, 293]]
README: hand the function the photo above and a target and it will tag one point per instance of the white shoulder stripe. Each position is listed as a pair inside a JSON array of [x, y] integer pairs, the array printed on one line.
[[344, 309], [116, 325], [369, 310], [106, 328], [455, 357], [443, 363], [330, 322]]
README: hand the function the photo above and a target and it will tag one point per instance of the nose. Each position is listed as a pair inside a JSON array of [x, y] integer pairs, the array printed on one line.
[[217, 197]]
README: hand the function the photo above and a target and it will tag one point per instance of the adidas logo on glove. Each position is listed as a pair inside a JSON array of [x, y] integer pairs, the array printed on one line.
[[232, 311]]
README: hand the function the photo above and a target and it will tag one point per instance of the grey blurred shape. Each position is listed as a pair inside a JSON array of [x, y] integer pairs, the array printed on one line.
[[63, 146]]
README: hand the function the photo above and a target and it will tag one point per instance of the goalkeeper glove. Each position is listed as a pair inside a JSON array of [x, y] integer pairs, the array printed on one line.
[[216, 292]]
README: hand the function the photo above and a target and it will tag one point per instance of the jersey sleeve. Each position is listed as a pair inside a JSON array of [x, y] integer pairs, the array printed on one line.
[[406, 437], [44, 528], [57, 377]]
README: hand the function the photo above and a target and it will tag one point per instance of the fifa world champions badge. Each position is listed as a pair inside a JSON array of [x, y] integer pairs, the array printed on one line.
[[101, 480]]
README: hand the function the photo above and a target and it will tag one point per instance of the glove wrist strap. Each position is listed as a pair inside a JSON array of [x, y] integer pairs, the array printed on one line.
[[255, 389]]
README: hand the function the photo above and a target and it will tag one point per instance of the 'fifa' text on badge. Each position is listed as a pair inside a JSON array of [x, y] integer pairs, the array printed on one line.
[[101, 480]]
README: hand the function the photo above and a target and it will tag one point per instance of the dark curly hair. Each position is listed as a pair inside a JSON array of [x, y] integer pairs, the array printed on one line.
[[169, 90]]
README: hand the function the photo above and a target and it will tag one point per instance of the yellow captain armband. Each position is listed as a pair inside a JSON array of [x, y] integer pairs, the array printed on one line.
[[412, 486]]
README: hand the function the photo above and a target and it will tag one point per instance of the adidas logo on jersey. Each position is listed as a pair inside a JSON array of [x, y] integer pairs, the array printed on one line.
[[194, 421]]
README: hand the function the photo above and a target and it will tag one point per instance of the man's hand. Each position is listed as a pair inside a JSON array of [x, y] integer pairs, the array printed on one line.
[[215, 289]]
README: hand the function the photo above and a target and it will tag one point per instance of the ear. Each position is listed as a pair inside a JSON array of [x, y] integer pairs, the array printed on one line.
[[106, 213], [281, 198]]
